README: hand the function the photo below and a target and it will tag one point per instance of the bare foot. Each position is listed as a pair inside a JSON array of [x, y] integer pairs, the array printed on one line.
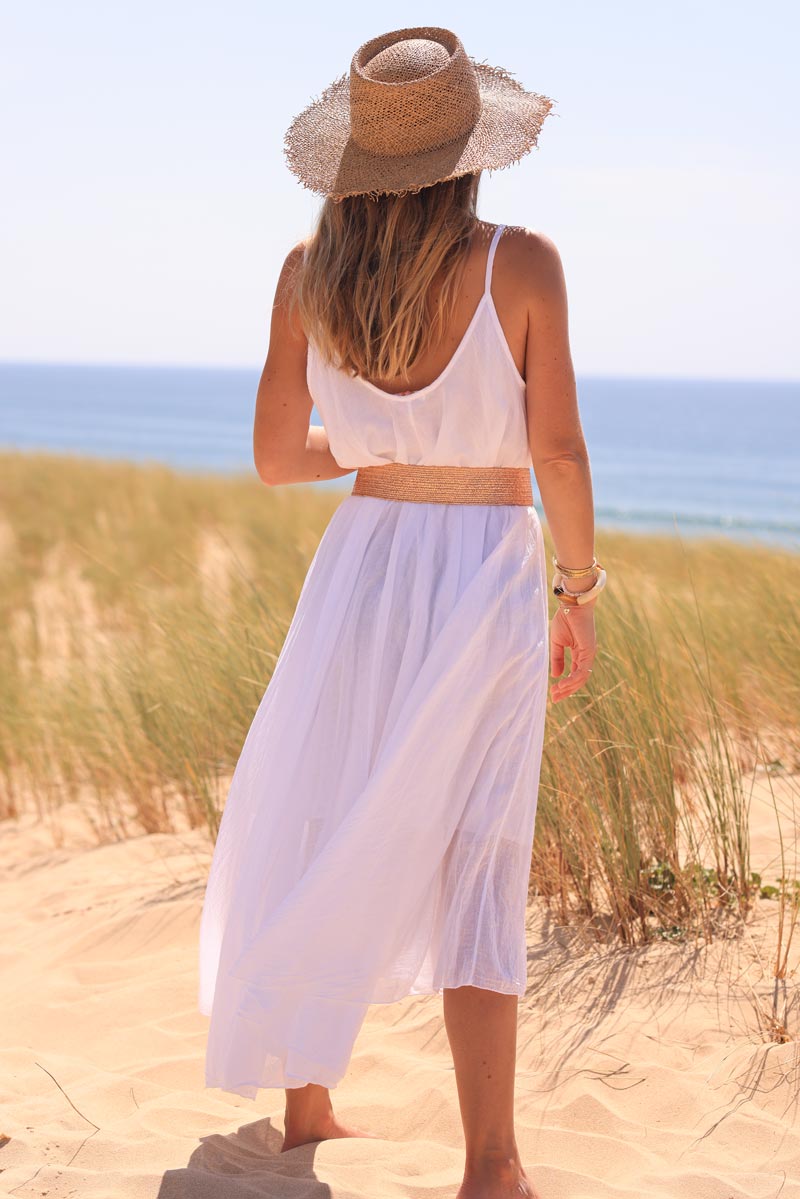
[[506, 1180], [327, 1129]]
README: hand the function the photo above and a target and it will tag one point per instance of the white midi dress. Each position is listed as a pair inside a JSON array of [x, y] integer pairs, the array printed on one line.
[[376, 839]]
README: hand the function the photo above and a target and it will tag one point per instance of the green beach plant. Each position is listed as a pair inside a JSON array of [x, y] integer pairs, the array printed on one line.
[[143, 611]]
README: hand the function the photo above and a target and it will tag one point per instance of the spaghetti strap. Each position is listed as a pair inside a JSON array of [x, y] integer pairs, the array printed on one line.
[[490, 260]]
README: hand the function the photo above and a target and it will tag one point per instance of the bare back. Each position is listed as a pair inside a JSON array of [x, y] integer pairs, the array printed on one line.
[[508, 293]]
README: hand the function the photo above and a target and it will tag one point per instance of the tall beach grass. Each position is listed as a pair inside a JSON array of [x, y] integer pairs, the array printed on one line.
[[143, 611]]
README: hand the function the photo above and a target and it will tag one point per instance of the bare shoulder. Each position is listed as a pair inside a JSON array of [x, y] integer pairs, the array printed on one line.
[[291, 264], [297, 251], [534, 261], [286, 324], [532, 244]]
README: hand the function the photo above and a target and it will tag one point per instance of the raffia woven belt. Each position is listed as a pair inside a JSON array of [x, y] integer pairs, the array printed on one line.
[[446, 484]]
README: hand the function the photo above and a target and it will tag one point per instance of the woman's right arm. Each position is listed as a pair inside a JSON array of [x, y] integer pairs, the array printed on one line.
[[558, 452]]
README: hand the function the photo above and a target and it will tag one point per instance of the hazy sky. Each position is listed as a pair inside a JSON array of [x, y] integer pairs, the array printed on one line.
[[147, 206]]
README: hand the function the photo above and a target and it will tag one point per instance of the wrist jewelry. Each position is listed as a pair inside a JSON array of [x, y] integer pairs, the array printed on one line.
[[571, 599], [574, 572]]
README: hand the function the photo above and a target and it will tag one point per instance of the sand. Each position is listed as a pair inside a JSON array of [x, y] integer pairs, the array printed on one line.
[[640, 1073]]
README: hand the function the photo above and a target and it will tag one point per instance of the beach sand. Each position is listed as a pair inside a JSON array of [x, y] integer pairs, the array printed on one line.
[[640, 1073]]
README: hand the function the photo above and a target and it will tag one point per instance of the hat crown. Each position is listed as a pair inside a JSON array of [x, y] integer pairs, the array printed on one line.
[[411, 58], [412, 90]]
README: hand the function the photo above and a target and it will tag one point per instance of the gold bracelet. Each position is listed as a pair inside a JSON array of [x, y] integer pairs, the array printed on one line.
[[574, 572], [574, 599]]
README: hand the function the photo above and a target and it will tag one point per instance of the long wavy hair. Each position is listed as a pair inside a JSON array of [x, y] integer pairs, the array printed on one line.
[[363, 292]]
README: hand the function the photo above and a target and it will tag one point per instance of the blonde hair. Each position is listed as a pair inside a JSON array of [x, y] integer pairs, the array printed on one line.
[[363, 291]]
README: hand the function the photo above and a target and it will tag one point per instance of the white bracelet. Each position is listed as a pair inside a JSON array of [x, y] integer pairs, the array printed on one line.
[[567, 591], [580, 597]]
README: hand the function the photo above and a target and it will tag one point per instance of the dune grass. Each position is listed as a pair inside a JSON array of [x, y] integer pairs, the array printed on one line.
[[143, 611]]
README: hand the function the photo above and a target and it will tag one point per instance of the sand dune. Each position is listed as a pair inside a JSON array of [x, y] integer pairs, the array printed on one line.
[[640, 1073]]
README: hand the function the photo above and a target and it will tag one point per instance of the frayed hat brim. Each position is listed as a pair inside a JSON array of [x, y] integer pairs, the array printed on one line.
[[321, 152]]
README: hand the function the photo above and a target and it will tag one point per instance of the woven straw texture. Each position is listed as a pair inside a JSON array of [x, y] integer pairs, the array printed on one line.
[[446, 484], [415, 109]]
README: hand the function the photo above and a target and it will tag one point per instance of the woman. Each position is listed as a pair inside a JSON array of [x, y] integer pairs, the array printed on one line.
[[377, 836]]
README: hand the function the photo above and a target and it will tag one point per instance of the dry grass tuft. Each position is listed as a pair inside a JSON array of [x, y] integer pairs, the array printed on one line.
[[143, 611]]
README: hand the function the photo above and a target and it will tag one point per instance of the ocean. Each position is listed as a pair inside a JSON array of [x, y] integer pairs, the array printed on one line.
[[696, 457]]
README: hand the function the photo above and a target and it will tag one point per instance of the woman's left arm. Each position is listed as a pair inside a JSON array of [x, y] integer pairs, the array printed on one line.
[[287, 448]]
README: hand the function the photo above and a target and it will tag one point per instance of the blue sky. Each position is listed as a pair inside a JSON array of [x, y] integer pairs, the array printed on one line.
[[147, 205]]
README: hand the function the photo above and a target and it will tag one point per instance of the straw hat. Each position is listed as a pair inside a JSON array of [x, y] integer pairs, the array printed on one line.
[[414, 110]]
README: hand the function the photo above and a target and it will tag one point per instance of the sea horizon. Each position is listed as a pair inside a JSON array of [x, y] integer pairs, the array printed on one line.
[[696, 455]]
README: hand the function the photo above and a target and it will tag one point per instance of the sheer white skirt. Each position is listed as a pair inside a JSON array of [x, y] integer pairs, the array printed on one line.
[[377, 835]]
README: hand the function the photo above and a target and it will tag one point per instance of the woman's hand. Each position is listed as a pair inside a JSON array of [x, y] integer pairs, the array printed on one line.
[[573, 627]]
